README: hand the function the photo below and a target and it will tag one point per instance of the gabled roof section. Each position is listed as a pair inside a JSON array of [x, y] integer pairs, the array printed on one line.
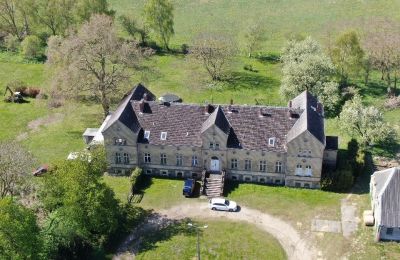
[[138, 92], [219, 119], [310, 120], [125, 113], [387, 185]]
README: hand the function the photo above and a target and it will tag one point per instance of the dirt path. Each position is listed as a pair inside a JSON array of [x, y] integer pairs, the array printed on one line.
[[295, 246]]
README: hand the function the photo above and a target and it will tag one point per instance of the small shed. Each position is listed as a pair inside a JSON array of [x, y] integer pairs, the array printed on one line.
[[385, 202], [89, 134]]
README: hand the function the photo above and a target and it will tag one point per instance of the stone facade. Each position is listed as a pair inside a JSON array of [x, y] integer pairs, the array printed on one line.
[[287, 152]]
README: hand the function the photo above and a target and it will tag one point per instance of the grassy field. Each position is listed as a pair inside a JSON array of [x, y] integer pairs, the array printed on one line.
[[179, 242], [279, 18]]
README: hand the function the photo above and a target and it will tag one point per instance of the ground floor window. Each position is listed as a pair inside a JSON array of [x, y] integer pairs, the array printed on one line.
[[389, 231], [194, 175], [297, 184], [277, 181], [179, 174], [306, 185], [234, 178], [247, 178], [262, 180], [148, 171], [164, 173]]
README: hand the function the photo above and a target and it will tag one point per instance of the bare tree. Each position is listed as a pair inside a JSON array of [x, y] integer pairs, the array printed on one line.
[[382, 43], [94, 60], [253, 36], [15, 166], [13, 19], [214, 52]]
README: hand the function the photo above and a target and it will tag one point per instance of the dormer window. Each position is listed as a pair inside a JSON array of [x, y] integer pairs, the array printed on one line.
[[147, 135], [163, 136], [120, 141], [271, 141]]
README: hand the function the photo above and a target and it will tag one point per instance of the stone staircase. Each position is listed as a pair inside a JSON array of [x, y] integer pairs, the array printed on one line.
[[214, 185]]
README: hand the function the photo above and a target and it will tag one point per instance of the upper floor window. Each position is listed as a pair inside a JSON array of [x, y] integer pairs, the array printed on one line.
[[234, 163], [179, 159], [126, 158], [163, 159], [271, 141], [120, 141], [147, 158], [263, 166], [299, 170], [195, 162], [308, 170], [147, 135], [118, 158], [163, 136], [247, 165], [214, 146], [278, 166]]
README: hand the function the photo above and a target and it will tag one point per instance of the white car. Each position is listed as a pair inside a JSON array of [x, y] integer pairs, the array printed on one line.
[[222, 204]]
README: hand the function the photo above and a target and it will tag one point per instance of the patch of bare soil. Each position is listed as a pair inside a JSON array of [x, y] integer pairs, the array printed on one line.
[[34, 125]]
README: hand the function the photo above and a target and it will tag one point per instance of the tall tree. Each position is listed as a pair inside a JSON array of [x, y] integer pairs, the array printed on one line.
[[160, 18], [382, 44], [83, 211], [84, 9], [13, 18], [55, 15], [15, 168], [94, 60], [19, 232], [214, 52], [347, 55], [366, 123], [306, 67], [134, 29]]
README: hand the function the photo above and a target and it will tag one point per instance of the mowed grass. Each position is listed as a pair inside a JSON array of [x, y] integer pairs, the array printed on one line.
[[279, 19], [294, 205], [120, 185], [243, 241]]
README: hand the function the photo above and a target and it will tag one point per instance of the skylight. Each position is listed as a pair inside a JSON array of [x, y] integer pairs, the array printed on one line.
[[163, 135], [147, 135], [271, 141]]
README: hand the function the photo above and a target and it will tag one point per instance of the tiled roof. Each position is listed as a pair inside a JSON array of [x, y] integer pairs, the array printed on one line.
[[387, 184], [217, 118], [311, 121], [247, 129]]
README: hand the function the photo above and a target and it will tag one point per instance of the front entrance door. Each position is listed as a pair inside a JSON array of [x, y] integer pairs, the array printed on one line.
[[214, 164]]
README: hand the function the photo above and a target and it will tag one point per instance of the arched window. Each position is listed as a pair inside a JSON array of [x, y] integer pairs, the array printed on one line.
[[308, 170], [299, 170], [278, 166]]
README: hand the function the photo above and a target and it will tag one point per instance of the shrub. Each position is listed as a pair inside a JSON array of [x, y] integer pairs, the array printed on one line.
[[31, 47], [392, 103], [341, 180], [11, 43]]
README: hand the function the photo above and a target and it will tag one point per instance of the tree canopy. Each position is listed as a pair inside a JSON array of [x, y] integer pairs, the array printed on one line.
[[94, 60], [364, 122], [306, 67], [19, 232], [160, 18]]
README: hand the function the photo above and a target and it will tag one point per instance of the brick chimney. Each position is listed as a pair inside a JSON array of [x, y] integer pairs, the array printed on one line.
[[230, 106]]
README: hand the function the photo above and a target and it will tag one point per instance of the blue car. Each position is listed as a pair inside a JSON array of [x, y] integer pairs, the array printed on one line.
[[188, 187]]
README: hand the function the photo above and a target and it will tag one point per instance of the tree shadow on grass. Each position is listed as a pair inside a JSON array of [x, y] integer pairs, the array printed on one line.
[[374, 89], [159, 229]]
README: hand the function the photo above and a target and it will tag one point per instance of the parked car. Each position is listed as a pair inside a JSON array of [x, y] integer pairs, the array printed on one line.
[[40, 170], [188, 187], [222, 204]]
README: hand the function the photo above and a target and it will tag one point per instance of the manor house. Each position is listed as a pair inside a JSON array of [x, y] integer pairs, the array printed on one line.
[[265, 144]]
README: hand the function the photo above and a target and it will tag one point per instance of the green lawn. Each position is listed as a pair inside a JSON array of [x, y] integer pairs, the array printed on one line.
[[243, 241], [279, 18]]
